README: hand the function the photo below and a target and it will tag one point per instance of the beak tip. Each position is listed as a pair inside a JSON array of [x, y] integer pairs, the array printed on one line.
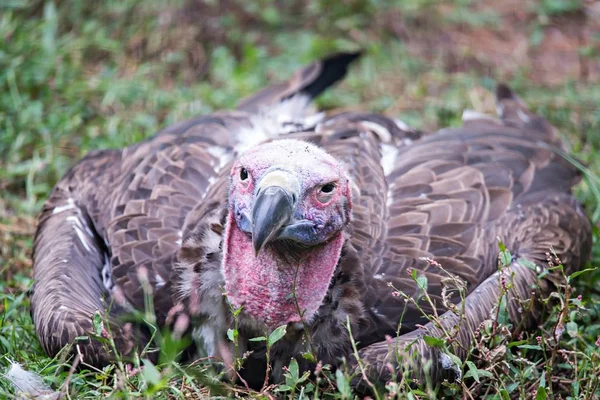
[[273, 208], [257, 245]]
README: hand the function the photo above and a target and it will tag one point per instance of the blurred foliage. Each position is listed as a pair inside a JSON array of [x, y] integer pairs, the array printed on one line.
[[80, 75]]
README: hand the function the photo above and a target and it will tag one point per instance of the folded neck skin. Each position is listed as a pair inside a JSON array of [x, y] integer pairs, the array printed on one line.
[[289, 203]]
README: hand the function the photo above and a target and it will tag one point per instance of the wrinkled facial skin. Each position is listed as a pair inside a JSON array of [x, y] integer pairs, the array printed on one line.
[[322, 206], [289, 203]]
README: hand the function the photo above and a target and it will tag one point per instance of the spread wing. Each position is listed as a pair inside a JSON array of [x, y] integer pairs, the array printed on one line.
[[450, 197]]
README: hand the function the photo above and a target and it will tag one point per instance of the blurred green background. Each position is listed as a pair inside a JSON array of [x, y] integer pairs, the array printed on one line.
[[79, 75], [82, 75]]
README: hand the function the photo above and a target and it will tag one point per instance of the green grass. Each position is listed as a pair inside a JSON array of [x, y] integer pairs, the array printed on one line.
[[77, 76]]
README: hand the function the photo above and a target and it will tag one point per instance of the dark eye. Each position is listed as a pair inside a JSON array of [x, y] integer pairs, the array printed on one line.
[[327, 188], [243, 174]]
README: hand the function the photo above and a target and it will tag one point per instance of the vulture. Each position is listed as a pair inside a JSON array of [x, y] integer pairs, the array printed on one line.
[[346, 229]]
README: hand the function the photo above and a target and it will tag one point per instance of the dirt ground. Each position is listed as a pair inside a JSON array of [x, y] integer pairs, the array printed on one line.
[[550, 56], [517, 36]]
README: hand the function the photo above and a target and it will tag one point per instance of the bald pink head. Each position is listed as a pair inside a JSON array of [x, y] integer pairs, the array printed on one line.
[[289, 202]]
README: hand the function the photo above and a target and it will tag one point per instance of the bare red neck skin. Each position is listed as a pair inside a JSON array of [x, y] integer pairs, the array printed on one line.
[[264, 285]]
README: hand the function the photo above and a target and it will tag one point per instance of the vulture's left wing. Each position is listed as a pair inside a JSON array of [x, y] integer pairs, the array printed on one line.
[[450, 197]]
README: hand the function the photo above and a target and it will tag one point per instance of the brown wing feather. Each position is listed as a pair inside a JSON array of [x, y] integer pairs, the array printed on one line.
[[451, 188], [453, 194], [553, 221], [310, 81], [64, 298], [144, 230]]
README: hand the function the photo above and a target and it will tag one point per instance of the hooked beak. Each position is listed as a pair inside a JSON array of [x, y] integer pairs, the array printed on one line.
[[273, 207]]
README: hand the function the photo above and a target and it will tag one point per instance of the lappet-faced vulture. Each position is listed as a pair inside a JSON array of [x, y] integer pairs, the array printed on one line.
[[313, 222]]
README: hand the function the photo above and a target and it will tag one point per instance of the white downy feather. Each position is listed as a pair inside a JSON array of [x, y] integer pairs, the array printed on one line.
[[29, 385]]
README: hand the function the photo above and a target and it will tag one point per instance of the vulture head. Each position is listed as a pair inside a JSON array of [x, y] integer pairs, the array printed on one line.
[[289, 202]]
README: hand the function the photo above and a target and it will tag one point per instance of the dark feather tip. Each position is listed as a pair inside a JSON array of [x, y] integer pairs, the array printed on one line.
[[334, 68], [504, 92]]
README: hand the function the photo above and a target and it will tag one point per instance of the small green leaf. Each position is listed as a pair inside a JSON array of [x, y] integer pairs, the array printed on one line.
[[50, 28], [98, 324], [232, 334], [458, 361], [530, 347], [342, 384], [413, 274], [541, 393], [503, 317], [545, 271], [572, 329], [150, 373], [308, 388], [237, 311], [4, 342], [258, 339], [303, 377], [501, 245], [477, 373], [472, 372], [294, 370], [483, 372], [309, 356], [527, 264], [543, 380], [577, 273], [536, 36], [575, 386], [517, 343], [511, 388], [422, 282], [505, 258], [433, 341], [276, 335], [283, 388]]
